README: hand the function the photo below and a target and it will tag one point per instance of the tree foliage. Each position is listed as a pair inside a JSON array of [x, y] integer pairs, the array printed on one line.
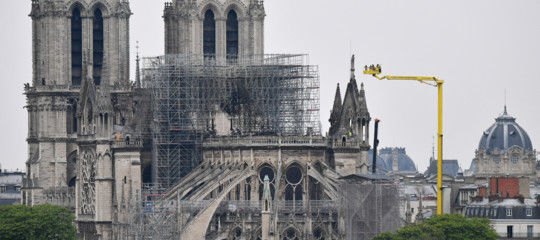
[[38, 222], [444, 227]]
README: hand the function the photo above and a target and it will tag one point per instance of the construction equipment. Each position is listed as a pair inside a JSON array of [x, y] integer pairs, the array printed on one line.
[[375, 70]]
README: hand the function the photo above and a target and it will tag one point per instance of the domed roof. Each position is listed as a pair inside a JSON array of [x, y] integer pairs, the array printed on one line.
[[504, 134], [385, 160]]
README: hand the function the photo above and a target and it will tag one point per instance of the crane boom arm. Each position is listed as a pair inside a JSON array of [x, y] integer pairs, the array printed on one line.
[[432, 81], [375, 70]]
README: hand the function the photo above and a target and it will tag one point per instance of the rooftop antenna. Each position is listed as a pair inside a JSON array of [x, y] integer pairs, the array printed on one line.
[[137, 70], [350, 47], [137, 49], [505, 101], [433, 149]]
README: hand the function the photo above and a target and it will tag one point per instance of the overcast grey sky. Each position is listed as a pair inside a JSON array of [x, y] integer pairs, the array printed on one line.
[[480, 48]]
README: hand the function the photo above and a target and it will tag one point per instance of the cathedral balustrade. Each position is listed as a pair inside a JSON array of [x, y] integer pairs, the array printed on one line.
[[346, 144], [71, 88], [62, 196], [127, 143], [53, 88], [266, 141]]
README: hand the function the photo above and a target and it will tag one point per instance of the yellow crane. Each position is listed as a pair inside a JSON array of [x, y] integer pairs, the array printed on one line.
[[432, 81]]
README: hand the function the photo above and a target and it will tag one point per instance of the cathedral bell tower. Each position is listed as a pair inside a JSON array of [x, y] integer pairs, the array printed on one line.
[[215, 29], [79, 98]]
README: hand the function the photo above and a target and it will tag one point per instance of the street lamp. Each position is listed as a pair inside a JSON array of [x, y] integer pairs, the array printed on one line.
[[432, 81]]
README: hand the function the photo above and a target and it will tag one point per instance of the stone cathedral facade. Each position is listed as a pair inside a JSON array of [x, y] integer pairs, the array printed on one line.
[[79, 113], [85, 149]]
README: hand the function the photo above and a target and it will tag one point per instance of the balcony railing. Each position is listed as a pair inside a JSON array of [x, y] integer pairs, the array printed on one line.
[[520, 235]]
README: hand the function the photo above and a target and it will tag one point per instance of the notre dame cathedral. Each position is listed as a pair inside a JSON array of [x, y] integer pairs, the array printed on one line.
[[213, 140]]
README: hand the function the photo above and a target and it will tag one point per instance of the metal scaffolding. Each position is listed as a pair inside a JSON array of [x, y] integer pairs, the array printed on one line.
[[370, 209], [194, 96], [152, 218]]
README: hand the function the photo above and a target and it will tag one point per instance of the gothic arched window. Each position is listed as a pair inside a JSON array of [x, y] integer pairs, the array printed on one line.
[[266, 170], [247, 189], [293, 186], [291, 234], [318, 234], [98, 46], [76, 47], [209, 34], [232, 35]]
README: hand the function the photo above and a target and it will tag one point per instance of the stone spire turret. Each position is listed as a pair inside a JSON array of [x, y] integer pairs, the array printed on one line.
[[336, 109], [266, 209], [362, 99]]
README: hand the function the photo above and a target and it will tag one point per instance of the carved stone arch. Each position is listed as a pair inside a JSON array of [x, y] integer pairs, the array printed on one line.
[[101, 5], [236, 233], [107, 165], [214, 6], [71, 166], [286, 234], [237, 6], [319, 233], [106, 153], [71, 5], [263, 169], [262, 164], [302, 166]]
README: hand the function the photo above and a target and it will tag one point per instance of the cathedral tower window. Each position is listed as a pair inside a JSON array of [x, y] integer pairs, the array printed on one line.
[[76, 47], [232, 35], [98, 46], [209, 34]]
